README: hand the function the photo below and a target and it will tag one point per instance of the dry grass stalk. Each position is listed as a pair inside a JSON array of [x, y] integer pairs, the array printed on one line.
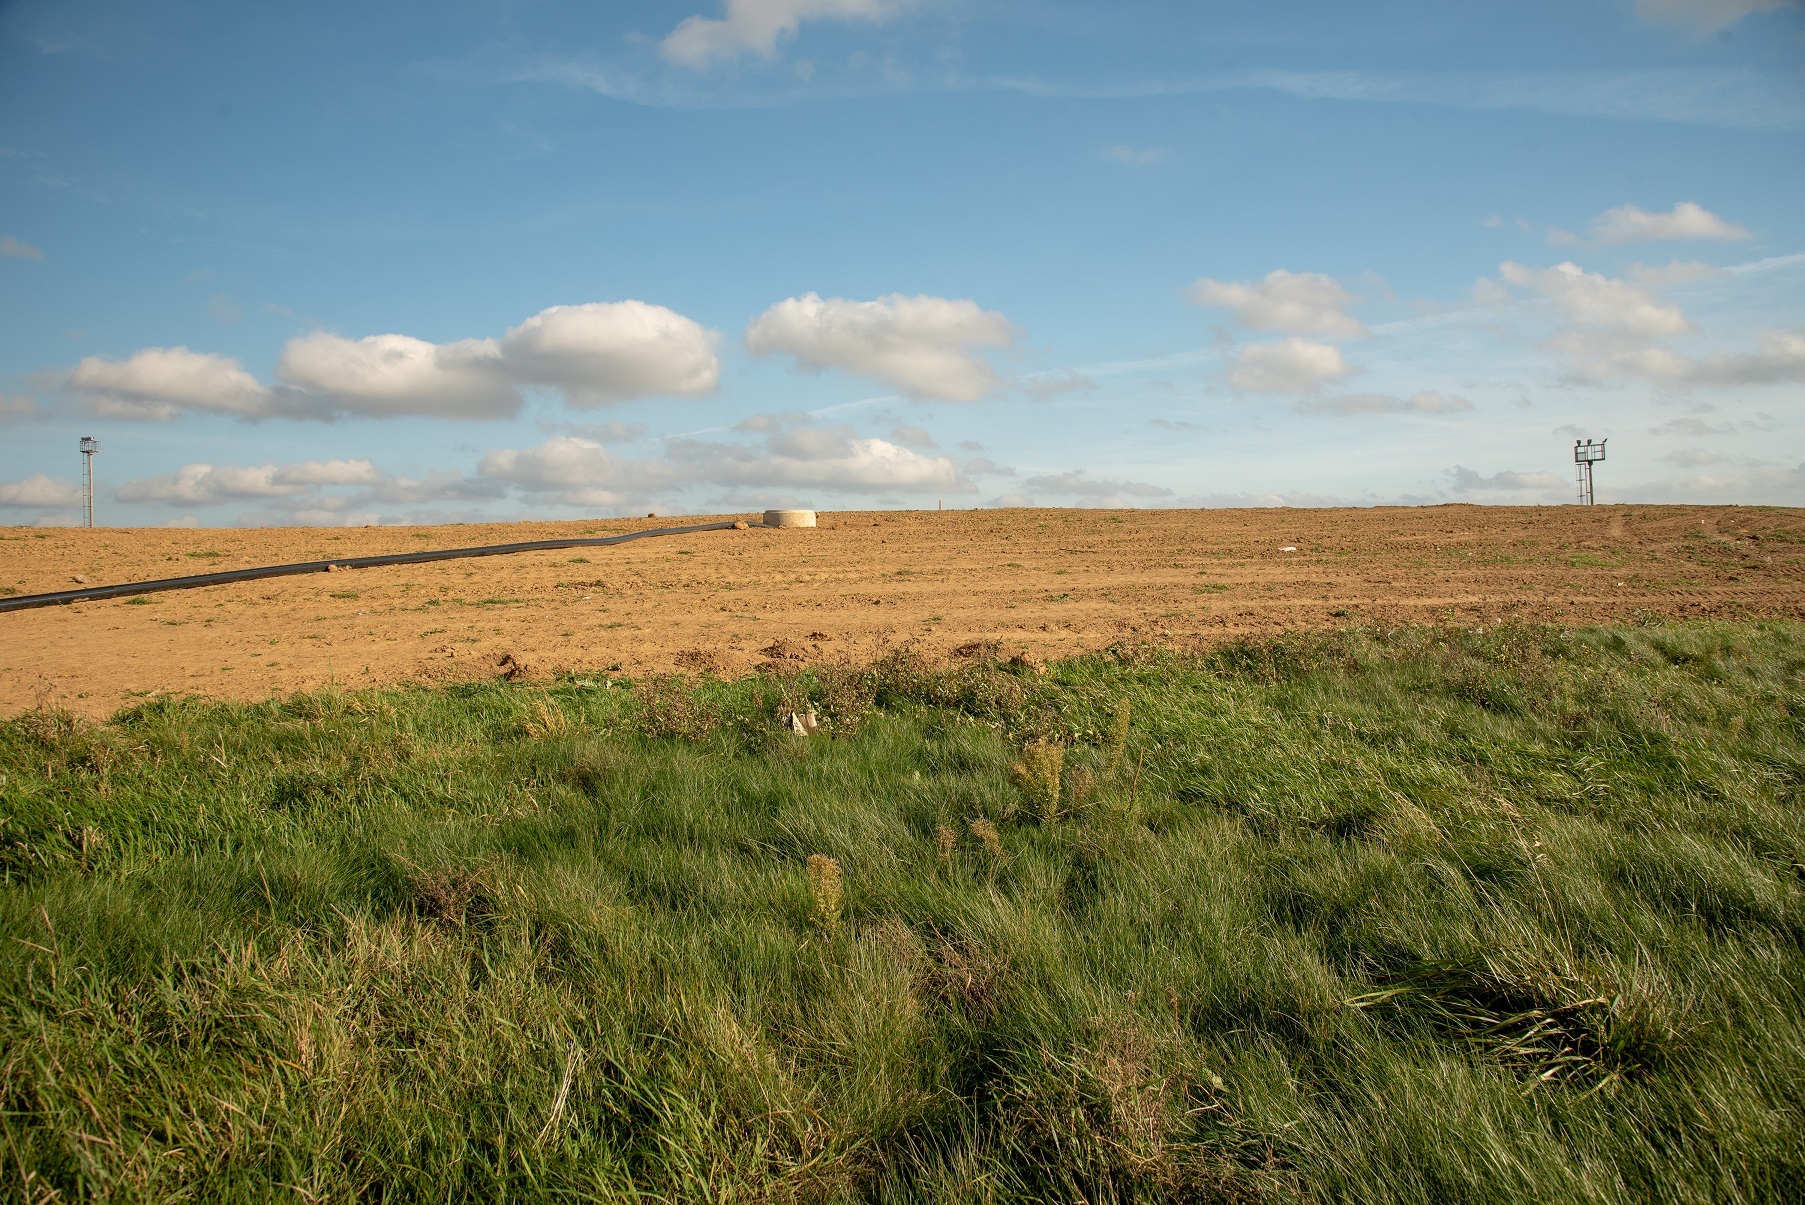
[[1037, 776], [824, 885], [542, 719], [1117, 747], [1079, 784], [986, 832], [945, 839]]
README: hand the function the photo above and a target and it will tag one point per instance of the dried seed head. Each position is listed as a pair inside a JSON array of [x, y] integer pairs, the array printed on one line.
[[824, 892]]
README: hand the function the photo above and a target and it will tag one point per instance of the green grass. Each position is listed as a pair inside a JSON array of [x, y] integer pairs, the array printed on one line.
[[1512, 915]]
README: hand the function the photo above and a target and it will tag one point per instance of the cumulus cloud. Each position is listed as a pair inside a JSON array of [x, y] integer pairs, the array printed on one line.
[[1429, 401], [1465, 480], [385, 376], [1778, 360], [40, 492], [158, 382], [581, 472], [1076, 484], [577, 471], [758, 25], [611, 351], [1592, 300], [921, 346], [1292, 366], [1306, 303], [1687, 220], [913, 437], [12, 248], [206, 484], [327, 472], [830, 459], [593, 354], [1705, 16]]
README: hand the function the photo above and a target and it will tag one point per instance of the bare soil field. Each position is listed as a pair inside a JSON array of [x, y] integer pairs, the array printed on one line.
[[1044, 583]]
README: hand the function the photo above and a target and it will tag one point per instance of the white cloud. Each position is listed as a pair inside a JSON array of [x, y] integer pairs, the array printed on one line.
[[1671, 275], [1704, 16], [1130, 156], [827, 459], [1599, 302], [383, 376], [14, 249], [575, 468], [1428, 401], [1466, 481], [580, 472], [1078, 485], [1292, 366], [40, 492], [611, 351], [328, 472], [594, 353], [757, 25], [922, 346], [157, 382], [206, 484], [1779, 360], [1306, 303], [1687, 220]]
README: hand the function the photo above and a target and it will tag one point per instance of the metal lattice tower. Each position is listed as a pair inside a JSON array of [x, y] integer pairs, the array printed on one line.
[[1586, 453], [89, 446]]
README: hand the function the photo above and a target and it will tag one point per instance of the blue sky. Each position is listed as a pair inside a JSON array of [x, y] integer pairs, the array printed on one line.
[[427, 262]]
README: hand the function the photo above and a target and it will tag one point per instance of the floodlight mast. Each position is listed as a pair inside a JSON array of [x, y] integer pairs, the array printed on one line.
[[89, 446], [1586, 453]]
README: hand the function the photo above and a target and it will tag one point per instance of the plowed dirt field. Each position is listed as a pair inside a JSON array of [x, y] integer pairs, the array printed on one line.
[[1043, 582]]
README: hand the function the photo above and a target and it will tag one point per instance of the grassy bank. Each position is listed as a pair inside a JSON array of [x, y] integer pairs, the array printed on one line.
[[1500, 916]]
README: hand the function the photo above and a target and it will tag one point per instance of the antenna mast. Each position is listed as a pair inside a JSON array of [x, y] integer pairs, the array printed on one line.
[[89, 446], [1585, 454]]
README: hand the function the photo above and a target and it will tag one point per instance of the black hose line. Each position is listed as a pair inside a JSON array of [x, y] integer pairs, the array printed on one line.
[[26, 602]]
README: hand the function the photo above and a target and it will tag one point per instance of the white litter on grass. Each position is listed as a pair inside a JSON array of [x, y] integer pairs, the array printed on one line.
[[1289, 548]]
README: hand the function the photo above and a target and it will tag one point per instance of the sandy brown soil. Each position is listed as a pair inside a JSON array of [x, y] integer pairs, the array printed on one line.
[[1047, 582]]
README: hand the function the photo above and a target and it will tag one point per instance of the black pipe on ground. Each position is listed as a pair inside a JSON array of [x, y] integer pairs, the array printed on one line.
[[26, 602]]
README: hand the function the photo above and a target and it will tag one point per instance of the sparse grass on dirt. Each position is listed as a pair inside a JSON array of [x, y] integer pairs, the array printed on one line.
[[1512, 915]]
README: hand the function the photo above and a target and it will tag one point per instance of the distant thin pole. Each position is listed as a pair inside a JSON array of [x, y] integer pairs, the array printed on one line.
[[89, 446]]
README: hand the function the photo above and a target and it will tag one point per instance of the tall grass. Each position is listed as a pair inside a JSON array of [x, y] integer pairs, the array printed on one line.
[[1423, 916]]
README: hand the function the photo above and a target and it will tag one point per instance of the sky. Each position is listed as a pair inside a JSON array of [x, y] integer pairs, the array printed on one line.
[[462, 261]]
